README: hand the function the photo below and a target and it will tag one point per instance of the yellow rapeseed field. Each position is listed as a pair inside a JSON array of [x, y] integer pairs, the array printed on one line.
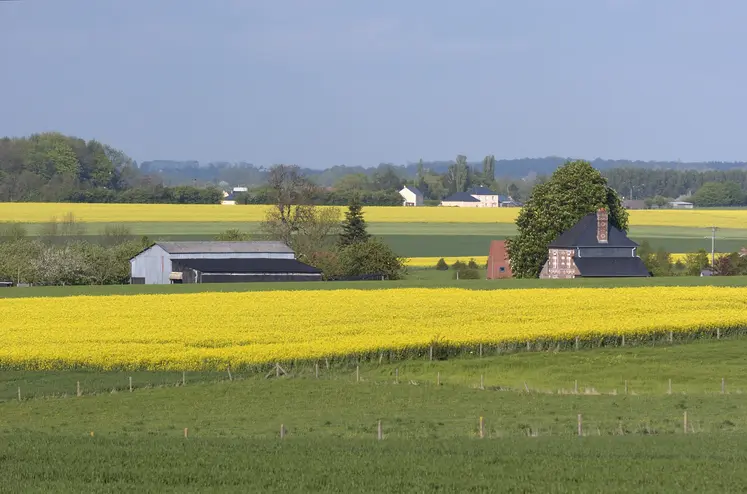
[[429, 262], [211, 330], [114, 213]]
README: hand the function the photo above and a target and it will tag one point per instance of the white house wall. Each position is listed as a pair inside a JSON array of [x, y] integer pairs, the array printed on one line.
[[153, 264], [487, 201], [460, 204]]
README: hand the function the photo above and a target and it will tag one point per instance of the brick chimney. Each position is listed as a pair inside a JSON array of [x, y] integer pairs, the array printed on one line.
[[602, 225]]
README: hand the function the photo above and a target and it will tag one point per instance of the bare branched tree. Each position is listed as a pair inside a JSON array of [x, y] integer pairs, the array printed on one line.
[[293, 219]]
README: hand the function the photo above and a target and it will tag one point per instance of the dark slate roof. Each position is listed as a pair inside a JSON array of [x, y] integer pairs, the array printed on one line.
[[481, 191], [584, 234], [414, 190], [462, 197], [262, 265], [608, 267]]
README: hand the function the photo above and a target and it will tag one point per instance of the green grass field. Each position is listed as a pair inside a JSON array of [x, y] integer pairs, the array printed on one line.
[[440, 239], [417, 278], [530, 403]]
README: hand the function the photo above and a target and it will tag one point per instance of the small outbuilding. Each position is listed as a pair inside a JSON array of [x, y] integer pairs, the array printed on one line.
[[201, 262], [499, 265]]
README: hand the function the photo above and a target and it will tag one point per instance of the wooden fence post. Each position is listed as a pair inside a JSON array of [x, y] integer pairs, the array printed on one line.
[[316, 370], [723, 385], [396, 375], [130, 384], [575, 386], [580, 430], [671, 337], [684, 421], [576, 342], [626, 386], [482, 428], [480, 350], [718, 333], [186, 433], [482, 382], [669, 391], [184, 378], [438, 379], [379, 432], [282, 431], [431, 352], [19, 393], [357, 373], [230, 376], [77, 389], [623, 341]]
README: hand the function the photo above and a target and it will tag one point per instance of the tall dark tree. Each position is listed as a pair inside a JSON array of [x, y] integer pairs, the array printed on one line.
[[488, 168], [353, 226], [574, 190]]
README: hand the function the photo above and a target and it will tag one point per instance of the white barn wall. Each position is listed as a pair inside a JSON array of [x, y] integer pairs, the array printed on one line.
[[153, 264]]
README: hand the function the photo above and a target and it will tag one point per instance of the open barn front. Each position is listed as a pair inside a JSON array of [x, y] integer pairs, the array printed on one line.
[[245, 270]]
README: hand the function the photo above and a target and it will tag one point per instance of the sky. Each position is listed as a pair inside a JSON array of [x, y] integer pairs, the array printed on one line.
[[339, 82]]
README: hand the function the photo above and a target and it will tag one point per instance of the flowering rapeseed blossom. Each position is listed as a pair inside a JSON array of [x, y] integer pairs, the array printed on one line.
[[210, 330], [120, 213]]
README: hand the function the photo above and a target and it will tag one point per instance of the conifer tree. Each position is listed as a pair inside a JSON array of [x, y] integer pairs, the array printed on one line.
[[353, 226]]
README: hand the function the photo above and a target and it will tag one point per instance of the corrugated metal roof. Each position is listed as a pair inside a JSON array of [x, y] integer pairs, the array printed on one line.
[[223, 247]]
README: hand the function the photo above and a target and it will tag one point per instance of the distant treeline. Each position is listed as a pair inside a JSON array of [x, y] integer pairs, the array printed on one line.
[[52, 167], [247, 174]]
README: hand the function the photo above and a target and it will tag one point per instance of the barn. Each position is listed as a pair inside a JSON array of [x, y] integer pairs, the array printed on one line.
[[218, 262]]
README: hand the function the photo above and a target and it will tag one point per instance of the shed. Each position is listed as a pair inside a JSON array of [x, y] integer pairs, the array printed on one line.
[[154, 265], [242, 270], [499, 265]]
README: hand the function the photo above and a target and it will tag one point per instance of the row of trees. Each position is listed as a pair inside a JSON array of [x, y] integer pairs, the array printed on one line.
[[52, 167], [62, 257], [660, 263]]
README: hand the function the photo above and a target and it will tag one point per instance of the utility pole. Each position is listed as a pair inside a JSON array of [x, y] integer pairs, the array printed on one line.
[[713, 246]]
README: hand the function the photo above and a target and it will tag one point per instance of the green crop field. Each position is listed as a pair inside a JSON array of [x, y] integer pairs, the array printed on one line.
[[436, 239], [112, 440], [429, 278]]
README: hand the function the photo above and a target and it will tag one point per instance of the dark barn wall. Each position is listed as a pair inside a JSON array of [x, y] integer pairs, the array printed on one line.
[[245, 278]]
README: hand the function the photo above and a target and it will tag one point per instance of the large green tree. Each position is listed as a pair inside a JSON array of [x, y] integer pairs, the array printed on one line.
[[574, 190]]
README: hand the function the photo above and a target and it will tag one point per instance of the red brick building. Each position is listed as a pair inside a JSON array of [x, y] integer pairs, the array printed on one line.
[[498, 262]]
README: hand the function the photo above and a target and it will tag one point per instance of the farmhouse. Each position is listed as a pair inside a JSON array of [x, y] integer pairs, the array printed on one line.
[[461, 200], [593, 248], [411, 196], [218, 262], [487, 198]]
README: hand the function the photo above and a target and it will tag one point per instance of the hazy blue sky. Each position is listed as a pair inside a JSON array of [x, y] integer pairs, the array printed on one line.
[[324, 82]]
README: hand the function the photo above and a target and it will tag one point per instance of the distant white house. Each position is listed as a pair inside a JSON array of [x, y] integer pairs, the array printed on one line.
[[411, 196], [229, 200], [240, 189], [681, 205], [461, 200], [487, 198]]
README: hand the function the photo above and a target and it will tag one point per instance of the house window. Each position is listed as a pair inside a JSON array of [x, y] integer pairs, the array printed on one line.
[[502, 269]]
